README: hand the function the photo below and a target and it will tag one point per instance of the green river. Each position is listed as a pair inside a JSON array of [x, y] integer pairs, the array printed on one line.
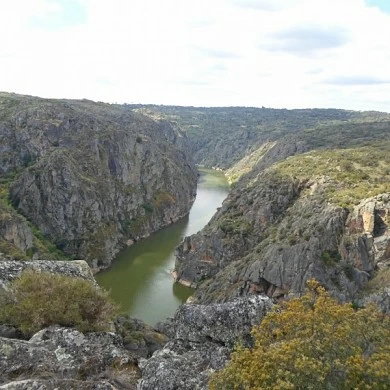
[[140, 279]]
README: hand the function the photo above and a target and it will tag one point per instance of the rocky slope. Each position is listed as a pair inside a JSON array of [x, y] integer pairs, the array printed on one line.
[[89, 177], [323, 214]]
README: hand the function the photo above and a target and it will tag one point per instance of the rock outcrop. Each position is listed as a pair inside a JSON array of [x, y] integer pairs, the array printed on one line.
[[16, 237], [90, 176], [10, 270], [202, 343], [61, 357], [59, 384], [65, 358]]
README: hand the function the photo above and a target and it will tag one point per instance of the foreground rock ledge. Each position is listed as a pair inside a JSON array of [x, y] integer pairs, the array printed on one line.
[[56, 357], [203, 339], [10, 270]]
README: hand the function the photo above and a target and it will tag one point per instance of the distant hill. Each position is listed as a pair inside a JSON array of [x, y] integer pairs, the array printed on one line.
[[220, 137]]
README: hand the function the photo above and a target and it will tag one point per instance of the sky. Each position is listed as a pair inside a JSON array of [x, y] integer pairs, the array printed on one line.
[[271, 53]]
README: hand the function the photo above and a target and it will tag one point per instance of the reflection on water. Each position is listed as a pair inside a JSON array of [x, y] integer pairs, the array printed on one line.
[[140, 279]]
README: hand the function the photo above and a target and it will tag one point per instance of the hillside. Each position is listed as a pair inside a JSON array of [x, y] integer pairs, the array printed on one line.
[[81, 179], [322, 214], [221, 136]]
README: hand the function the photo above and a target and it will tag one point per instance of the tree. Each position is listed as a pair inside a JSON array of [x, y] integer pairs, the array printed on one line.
[[313, 342]]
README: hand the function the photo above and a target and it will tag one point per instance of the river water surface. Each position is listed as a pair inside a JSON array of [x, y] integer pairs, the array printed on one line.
[[139, 278]]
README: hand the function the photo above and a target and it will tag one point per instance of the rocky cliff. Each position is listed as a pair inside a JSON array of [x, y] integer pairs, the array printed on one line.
[[321, 214], [89, 177]]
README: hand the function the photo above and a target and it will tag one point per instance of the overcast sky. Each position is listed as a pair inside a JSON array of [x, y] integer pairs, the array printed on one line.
[[272, 53]]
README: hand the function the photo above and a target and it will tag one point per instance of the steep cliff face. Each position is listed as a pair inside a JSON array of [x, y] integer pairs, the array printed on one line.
[[320, 214], [92, 176], [16, 237]]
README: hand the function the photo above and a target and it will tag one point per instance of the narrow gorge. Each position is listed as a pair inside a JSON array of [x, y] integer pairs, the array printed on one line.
[[81, 182], [83, 179]]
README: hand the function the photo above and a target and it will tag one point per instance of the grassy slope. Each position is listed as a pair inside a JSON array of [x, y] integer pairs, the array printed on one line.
[[353, 174]]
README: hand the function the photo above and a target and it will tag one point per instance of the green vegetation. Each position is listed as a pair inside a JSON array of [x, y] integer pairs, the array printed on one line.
[[235, 226], [13, 251], [134, 226], [330, 258], [148, 207], [39, 299], [247, 163], [44, 247], [222, 136], [350, 174], [163, 198], [313, 342], [135, 332]]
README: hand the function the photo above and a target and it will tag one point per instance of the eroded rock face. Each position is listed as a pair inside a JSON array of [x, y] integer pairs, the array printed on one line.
[[14, 230], [370, 221], [67, 354], [10, 270], [274, 232], [220, 323], [204, 337], [93, 176], [235, 230], [60, 384]]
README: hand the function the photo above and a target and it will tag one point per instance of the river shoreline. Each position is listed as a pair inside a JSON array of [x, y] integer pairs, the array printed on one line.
[[140, 277], [182, 281]]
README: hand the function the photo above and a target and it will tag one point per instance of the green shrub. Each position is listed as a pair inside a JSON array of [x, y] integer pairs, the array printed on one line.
[[148, 207], [330, 258], [39, 299], [348, 270]]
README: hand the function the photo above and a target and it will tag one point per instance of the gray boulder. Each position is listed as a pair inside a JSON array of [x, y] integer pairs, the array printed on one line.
[[58, 384], [66, 355], [204, 337]]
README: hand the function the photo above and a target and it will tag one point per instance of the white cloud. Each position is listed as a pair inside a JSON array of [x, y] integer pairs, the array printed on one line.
[[285, 53]]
